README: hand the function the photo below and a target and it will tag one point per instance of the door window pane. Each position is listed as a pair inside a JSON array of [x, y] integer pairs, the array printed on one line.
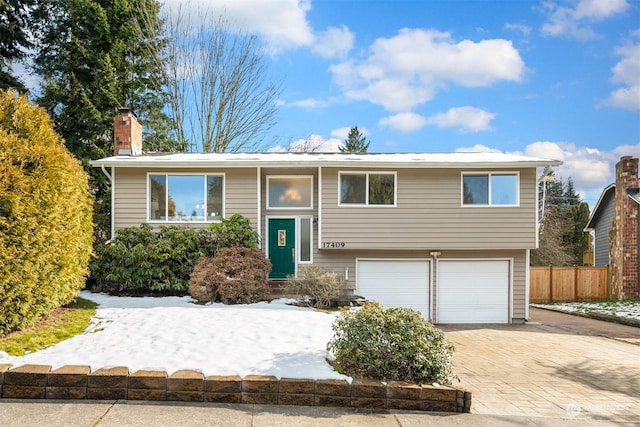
[[290, 192], [305, 239]]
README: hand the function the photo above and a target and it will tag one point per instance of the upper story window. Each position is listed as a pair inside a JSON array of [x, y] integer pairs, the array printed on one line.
[[367, 188], [290, 192], [186, 197], [490, 189]]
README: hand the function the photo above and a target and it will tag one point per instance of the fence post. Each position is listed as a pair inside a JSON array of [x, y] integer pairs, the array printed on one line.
[[551, 283], [575, 282]]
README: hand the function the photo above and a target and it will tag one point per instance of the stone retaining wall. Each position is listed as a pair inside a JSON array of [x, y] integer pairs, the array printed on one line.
[[78, 382]]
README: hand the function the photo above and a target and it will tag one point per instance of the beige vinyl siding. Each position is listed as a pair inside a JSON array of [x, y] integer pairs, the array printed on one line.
[[429, 214], [130, 195]]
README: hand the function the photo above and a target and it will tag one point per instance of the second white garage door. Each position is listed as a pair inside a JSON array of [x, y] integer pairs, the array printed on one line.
[[473, 291], [395, 283]]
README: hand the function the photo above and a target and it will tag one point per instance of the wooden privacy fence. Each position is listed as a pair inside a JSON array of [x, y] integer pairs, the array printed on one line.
[[565, 284]]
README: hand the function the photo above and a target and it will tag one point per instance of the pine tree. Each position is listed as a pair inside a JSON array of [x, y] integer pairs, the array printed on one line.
[[356, 142], [15, 21]]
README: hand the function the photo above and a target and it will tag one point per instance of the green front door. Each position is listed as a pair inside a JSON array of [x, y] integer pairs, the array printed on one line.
[[282, 247]]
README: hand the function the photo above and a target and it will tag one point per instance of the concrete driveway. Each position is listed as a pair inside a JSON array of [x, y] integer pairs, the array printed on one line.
[[557, 365]]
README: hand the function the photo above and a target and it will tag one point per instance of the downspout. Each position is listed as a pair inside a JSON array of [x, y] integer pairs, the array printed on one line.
[[112, 219], [434, 287]]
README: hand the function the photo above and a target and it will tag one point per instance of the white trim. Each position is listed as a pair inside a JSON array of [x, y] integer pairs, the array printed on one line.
[[259, 205], [366, 174], [340, 160], [204, 176], [319, 213], [113, 203], [489, 174], [527, 285], [309, 177], [510, 284]]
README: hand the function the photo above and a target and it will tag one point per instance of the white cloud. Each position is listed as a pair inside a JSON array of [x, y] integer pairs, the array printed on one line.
[[521, 28], [575, 22], [466, 119], [590, 169], [478, 148], [627, 73], [334, 42], [309, 103], [282, 24], [408, 69], [404, 122], [343, 132], [313, 143]]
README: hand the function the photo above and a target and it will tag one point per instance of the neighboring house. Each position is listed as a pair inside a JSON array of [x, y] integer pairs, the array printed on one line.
[[616, 229], [448, 234]]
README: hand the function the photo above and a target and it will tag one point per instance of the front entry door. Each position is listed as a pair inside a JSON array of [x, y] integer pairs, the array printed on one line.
[[282, 248]]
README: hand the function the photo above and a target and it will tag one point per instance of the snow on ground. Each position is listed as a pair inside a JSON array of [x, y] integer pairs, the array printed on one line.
[[625, 309], [173, 333]]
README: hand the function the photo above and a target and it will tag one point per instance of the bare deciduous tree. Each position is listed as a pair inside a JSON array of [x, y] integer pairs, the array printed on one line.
[[221, 97]]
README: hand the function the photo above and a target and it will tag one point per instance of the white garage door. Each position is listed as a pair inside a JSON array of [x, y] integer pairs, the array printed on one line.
[[395, 283], [473, 291]]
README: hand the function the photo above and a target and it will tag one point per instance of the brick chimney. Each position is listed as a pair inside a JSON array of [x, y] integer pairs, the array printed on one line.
[[624, 254], [127, 134]]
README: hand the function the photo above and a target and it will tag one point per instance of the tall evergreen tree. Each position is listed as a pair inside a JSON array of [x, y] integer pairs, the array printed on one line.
[[563, 217], [15, 21], [95, 56], [356, 142]]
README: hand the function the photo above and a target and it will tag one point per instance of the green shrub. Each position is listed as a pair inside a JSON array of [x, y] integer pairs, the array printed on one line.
[[320, 285], [235, 231], [234, 275], [141, 261], [45, 216], [392, 344]]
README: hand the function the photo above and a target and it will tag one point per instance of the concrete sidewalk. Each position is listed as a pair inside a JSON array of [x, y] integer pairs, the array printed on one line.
[[126, 413]]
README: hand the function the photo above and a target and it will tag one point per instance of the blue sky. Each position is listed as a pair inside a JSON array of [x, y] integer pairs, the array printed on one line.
[[556, 79]]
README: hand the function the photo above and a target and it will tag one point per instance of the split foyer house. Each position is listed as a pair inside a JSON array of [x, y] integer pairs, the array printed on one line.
[[616, 229], [447, 234]]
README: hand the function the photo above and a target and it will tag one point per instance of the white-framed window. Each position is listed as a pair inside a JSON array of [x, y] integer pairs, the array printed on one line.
[[290, 192], [178, 197], [367, 189], [490, 189]]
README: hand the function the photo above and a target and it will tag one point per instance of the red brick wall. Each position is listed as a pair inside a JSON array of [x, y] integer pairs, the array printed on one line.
[[625, 253]]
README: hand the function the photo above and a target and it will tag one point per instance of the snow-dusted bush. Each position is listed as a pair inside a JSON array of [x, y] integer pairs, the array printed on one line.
[[392, 344], [234, 275], [320, 285]]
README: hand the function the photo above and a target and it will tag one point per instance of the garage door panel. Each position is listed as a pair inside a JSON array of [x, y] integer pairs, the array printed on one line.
[[473, 291], [395, 283]]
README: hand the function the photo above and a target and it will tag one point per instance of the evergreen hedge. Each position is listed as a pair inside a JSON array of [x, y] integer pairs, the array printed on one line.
[[45, 216]]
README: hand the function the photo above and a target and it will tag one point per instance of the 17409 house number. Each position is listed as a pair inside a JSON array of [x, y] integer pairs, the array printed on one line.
[[333, 245]]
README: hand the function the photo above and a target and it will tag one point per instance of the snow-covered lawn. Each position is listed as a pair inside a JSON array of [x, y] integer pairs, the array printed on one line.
[[173, 333], [625, 309]]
